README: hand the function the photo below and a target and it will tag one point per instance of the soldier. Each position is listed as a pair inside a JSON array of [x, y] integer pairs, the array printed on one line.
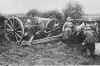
[[89, 42], [67, 28], [68, 23]]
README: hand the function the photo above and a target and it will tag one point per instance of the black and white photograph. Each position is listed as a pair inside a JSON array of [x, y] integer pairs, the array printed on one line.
[[49, 32]]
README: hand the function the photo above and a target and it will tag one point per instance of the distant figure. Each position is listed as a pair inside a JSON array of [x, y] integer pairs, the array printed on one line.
[[67, 28]]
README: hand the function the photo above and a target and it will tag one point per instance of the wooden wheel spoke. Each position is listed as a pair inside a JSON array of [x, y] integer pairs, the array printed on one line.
[[16, 25], [10, 33], [11, 22], [10, 36], [19, 31], [9, 26], [18, 28], [18, 35], [9, 30]]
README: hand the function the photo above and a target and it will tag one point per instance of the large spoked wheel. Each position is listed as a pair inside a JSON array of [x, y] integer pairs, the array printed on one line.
[[14, 29]]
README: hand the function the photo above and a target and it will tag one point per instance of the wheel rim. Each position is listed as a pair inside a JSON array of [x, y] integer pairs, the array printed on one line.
[[14, 29]]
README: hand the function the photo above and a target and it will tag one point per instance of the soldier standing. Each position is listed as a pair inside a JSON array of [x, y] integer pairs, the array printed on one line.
[[68, 23]]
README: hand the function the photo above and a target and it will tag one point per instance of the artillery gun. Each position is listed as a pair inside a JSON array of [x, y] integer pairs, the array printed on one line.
[[16, 27]]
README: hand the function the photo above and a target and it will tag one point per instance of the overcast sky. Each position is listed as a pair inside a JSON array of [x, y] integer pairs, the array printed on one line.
[[22, 6]]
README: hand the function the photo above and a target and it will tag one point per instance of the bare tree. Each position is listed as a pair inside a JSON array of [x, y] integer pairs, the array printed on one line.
[[53, 14], [74, 10], [33, 13]]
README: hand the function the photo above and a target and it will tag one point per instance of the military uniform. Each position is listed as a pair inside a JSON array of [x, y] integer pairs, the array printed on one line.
[[89, 42]]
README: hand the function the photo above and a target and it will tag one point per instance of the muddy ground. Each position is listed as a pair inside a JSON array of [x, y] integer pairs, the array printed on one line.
[[51, 53]]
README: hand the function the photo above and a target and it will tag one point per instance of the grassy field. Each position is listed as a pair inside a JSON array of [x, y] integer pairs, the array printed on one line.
[[51, 53]]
